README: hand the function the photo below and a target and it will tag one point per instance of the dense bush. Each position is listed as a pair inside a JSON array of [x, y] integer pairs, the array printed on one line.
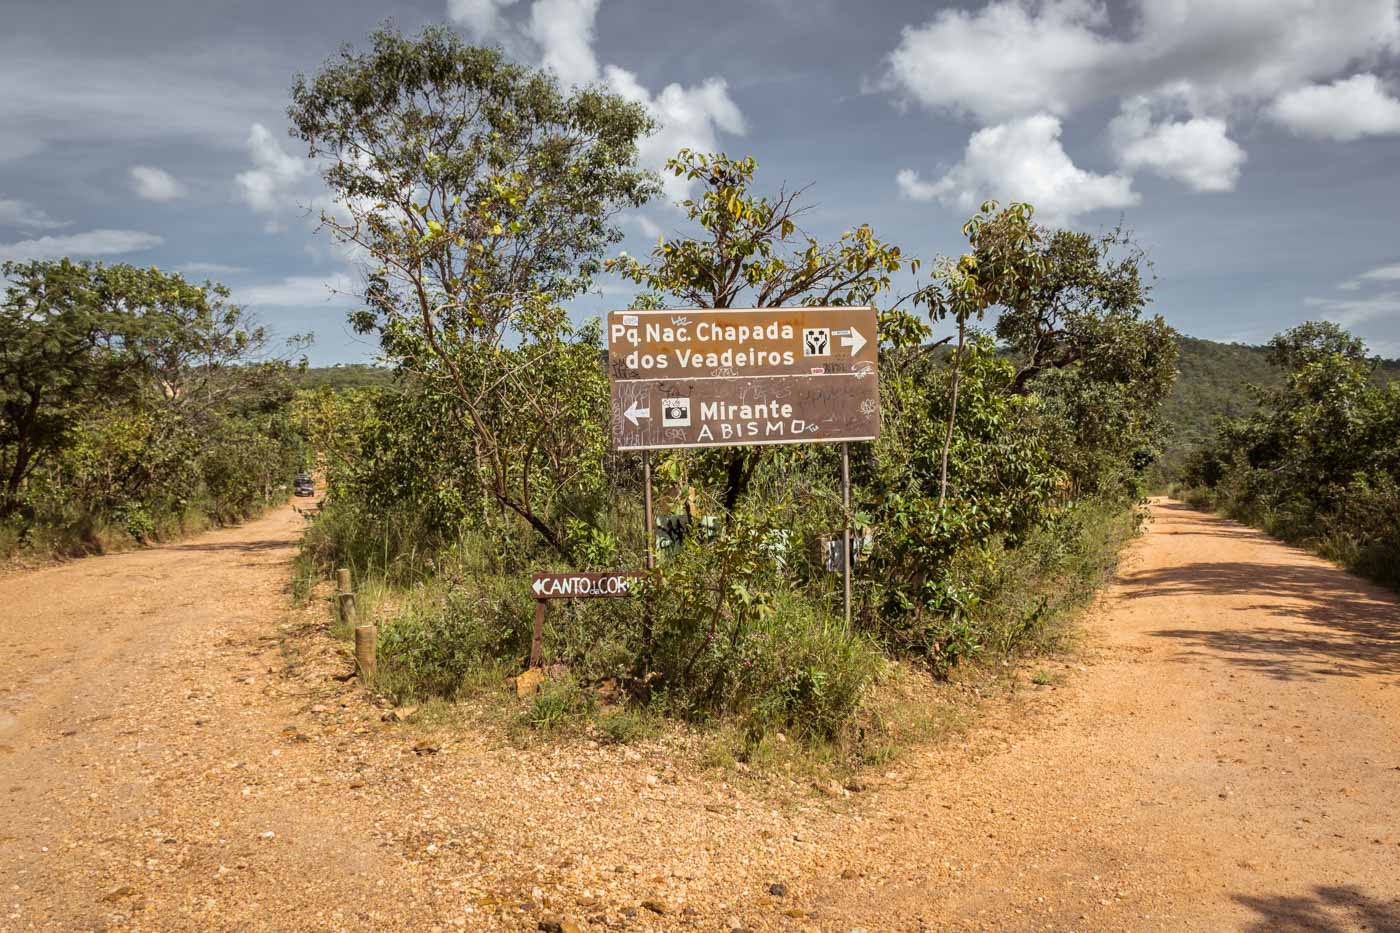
[[133, 405], [488, 457], [1318, 462]]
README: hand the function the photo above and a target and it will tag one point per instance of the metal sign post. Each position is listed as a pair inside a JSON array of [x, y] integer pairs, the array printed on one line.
[[846, 527]]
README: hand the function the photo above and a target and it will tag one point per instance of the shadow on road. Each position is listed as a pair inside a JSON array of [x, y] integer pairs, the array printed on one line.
[[270, 544], [1348, 627], [1328, 909]]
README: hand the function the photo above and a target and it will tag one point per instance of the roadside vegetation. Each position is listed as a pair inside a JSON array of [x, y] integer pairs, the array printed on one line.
[[134, 406], [1317, 462], [1020, 386]]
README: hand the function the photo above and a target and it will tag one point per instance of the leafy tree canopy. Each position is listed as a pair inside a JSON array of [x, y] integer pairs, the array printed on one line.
[[482, 197]]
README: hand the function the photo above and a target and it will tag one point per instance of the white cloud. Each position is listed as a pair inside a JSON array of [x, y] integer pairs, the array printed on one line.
[[80, 245], [1350, 312], [1343, 110], [53, 95], [564, 31], [649, 228], [298, 291], [1022, 160], [689, 117], [1016, 57], [17, 213], [1389, 273], [482, 18], [195, 269], [273, 184], [1196, 151], [1007, 59], [155, 184]]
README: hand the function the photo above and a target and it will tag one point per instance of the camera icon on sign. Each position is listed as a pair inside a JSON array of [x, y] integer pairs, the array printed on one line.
[[675, 412]]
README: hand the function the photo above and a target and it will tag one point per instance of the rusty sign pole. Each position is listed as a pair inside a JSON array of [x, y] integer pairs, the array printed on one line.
[[651, 562], [537, 637], [651, 525], [846, 523]]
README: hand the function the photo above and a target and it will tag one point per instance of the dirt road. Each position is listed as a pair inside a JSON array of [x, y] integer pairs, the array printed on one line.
[[1224, 755]]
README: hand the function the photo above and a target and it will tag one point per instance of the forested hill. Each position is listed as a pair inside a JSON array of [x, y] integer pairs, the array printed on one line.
[[347, 376], [1214, 380]]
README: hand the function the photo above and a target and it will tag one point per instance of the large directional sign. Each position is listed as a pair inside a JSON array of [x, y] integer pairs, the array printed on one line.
[[719, 378]]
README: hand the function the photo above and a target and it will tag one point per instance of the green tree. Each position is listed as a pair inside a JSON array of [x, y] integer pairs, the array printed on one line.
[[482, 197], [1317, 462], [1070, 313], [120, 390], [999, 271], [62, 348]]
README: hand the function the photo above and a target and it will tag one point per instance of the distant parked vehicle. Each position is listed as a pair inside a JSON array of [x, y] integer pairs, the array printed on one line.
[[304, 485]]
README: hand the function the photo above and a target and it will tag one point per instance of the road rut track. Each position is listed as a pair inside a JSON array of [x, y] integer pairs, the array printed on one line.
[[1223, 754]]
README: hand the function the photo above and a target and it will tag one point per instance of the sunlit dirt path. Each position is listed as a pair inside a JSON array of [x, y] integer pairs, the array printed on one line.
[[1224, 753], [1230, 759]]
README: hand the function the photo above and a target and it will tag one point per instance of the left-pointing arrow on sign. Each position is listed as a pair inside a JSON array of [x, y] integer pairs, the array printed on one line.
[[633, 412], [855, 341]]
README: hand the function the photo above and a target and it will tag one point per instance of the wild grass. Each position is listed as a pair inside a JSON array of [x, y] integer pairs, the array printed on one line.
[[809, 696]]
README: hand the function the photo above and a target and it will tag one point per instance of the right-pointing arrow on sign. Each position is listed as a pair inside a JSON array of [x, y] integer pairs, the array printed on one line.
[[855, 341], [633, 412]]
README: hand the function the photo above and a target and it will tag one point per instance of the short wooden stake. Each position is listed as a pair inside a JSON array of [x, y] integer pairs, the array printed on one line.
[[537, 639], [366, 643], [345, 596]]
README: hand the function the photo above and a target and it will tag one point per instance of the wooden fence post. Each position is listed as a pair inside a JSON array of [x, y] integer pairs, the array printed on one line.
[[366, 645], [537, 637], [345, 596]]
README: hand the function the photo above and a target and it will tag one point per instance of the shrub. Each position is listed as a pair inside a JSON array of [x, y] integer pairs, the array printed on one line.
[[440, 643]]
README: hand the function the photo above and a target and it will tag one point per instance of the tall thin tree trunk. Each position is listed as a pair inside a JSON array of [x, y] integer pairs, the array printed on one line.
[[952, 413]]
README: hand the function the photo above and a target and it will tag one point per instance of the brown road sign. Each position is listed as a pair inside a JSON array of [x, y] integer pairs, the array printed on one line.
[[735, 377], [721, 412], [545, 585], [734, 342]]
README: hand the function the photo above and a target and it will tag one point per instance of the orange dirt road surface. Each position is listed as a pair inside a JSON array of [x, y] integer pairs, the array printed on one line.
[[1223, 754]]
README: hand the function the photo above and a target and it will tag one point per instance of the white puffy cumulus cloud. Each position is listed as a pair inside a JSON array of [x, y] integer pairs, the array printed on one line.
[[482, 19], [276, 179], [1022, 160], [1015, 57], [80, 245], [1181, 70], [1007, 59], [687, 118], [563, 30], [1195, 151], [155, 184], [1344, 110], [562, 34]]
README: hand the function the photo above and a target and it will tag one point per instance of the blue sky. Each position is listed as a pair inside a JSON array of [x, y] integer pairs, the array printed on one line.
[[1253, 146]]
